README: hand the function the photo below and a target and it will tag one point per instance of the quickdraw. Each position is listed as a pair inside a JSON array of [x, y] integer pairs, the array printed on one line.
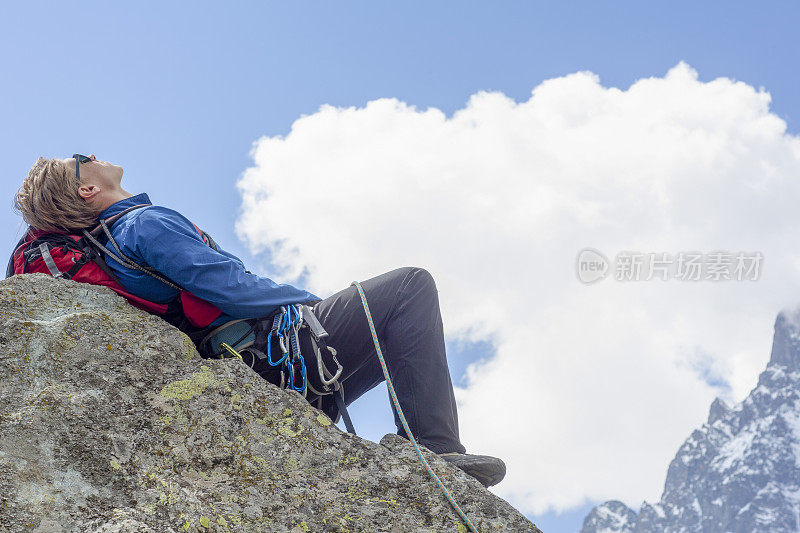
[[285, 332], [285, 327]]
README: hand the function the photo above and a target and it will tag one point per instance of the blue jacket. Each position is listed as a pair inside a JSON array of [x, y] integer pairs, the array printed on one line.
[[168, 242]]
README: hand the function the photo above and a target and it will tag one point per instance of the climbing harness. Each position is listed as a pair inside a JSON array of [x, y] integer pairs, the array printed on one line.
[[238, 337], [402, 417]]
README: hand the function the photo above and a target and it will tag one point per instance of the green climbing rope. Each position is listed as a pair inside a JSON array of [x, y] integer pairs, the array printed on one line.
[[402, 417]]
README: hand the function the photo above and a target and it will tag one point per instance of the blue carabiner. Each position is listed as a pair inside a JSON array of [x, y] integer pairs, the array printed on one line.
[[290, 365], [269, 352], [293, 320], [295, 343], [275, 330], [281, 327]]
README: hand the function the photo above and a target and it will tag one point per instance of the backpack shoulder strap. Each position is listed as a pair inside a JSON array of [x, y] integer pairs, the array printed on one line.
[[103, 229], [10, 267], [206, 238], [97, 231]]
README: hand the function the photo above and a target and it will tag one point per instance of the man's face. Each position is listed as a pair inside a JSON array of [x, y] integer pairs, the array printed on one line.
[[96, 172]]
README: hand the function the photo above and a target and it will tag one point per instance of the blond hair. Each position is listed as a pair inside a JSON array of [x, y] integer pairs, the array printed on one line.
[[48, 198]]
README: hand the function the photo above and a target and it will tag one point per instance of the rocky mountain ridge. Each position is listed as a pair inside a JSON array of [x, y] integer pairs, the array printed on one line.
[[739, 472]]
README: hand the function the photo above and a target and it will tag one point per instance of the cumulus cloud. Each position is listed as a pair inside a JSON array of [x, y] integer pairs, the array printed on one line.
[[592, 388]]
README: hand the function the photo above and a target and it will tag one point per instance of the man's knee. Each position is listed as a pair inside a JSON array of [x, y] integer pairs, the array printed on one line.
[[419, 279], [423, 276], [411, 280]]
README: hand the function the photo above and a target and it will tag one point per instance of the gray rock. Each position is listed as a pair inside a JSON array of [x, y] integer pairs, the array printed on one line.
[[111, 422]]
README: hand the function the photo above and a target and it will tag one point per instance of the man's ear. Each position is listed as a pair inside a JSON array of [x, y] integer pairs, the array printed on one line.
[[88, 192]]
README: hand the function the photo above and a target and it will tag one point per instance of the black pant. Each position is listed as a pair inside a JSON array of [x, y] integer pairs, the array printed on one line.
[[405, 309]]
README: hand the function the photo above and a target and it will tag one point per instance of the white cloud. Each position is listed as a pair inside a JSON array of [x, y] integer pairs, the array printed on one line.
[[592, 388]]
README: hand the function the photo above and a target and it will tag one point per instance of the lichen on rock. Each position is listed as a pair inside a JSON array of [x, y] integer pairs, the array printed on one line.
[[111, 422]]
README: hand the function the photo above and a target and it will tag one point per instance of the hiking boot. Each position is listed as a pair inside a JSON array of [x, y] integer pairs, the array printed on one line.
[[486, 469]]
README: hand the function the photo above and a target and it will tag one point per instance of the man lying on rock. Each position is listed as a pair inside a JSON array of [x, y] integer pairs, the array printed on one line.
[[72, 194]]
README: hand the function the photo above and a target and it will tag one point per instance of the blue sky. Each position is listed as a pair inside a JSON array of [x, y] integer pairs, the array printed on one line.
[[177, 93]]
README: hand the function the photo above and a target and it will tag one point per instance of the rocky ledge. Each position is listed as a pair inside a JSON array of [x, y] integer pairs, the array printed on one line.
[[110, 421]]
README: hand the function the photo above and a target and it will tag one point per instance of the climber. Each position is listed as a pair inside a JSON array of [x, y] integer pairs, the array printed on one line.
[[71, 194]]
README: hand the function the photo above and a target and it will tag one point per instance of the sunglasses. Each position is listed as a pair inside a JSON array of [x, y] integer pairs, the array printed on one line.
[[78, 160]]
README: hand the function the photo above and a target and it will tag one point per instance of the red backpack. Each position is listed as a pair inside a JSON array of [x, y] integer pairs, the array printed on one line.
[[80, 258]]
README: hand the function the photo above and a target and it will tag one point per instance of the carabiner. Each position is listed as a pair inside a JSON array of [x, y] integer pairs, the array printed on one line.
[[269, 351], [302, 386]]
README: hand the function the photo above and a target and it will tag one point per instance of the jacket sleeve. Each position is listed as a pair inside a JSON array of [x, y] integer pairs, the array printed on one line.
[[168, 242]]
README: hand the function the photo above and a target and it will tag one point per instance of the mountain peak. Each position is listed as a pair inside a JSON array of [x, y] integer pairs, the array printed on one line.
[[739, 471], [612, 516], [786, 341], [718, 411]]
